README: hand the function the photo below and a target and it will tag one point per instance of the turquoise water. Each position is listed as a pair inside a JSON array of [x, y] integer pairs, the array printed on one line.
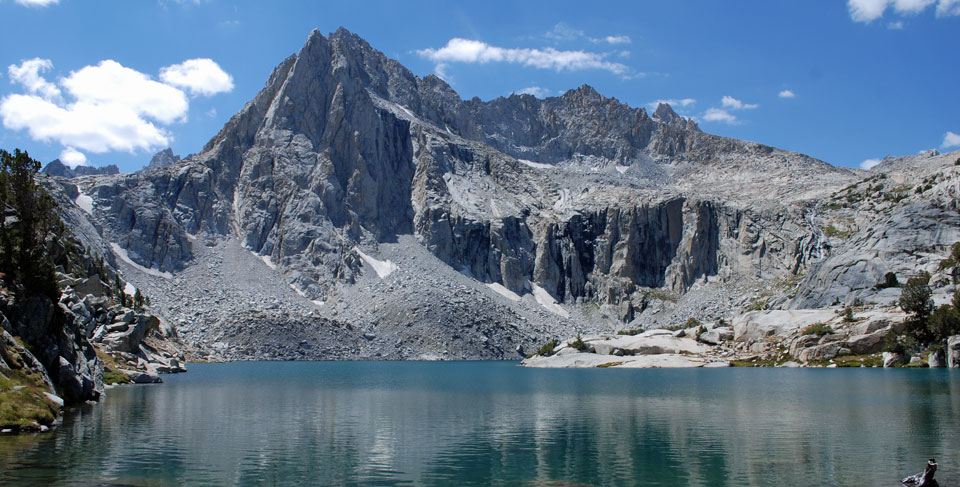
[[494, 423]]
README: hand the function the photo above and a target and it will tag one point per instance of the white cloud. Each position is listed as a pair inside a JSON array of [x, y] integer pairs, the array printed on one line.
[[199, 76], [563, 32], [470, 51], [109, 83], [898, 25], [38, 3], [948, 8], [673, 102], [106, 107], [735, 104], [535, 91], [28, 75], [73, 158], [869, 10], [787, 94], [621, 39], [869, 164], [719, 115], [950, 139]]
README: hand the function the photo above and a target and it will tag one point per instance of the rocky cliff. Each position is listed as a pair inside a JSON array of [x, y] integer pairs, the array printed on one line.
[[362, 195]]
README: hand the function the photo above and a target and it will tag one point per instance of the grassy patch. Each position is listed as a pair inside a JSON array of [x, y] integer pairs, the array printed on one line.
[[111, 369], [848, 361], [764, 362], [832, 232], [758, 305], [631, 332], [818, 329], [609, 364], [23, 406], [660, 294]]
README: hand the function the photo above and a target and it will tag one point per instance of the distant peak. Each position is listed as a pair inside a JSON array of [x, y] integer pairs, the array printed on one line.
[[665, 113]]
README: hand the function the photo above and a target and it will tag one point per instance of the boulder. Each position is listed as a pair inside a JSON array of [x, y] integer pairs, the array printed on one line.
[[717, 336], [891, 359], [937, 359], [953, 352], [820, 352], [802, 342], [757, 325], [866, 344]]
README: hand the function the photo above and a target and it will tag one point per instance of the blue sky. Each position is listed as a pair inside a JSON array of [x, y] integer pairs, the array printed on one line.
[[113, 81]]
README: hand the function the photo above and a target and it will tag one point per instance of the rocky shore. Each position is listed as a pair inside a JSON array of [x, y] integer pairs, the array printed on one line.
[[779, 338]]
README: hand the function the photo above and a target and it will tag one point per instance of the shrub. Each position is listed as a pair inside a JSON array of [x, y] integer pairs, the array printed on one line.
[[848, 315], [692, 322], [579, 344], [893, 344], [915, 299], [546, 349], [943, 323], [818, 329], [889, 280]]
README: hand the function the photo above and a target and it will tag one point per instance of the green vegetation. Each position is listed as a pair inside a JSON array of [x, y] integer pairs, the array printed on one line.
[[848, 315], [631, 332], [24, 258], [889, 280], [610, 364], [832, 232], [111, 369], [23, 406], [916, 300], [579, 344], [758, 305], [691, 322], [894, 343], [660, 294], [818, 329], [772, 361], [547, 349]]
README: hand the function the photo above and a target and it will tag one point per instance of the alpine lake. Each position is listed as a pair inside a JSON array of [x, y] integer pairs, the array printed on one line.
[[496, 423]]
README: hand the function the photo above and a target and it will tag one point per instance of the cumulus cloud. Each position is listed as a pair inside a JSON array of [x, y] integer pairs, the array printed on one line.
[[27, 73], [787, 94], [101, 108], [869, 164], [73, 158], [869, 10], [950, 139], [535, 91], [470, 51], [735, 104], [38, 3], [198, 76], [673, 102], [719, 115]]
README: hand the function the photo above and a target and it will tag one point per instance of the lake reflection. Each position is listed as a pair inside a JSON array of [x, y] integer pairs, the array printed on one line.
[[493, 423]]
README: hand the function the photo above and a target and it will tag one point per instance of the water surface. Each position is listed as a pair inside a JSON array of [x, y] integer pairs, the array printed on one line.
[[494, 423]]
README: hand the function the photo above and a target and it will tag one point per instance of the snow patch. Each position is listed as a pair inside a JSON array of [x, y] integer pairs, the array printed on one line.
[[85, 202], [503, 291], [122, 253], [129, 290], [301, 293], [318, 302], [546, 300], [383, 268], [535, 165], [563, 202], [266, 260], [622, 169]]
